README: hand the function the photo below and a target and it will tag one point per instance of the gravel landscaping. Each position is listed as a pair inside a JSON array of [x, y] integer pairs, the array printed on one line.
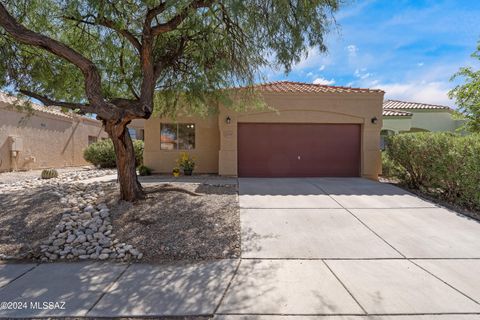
[[32, 177], [182, 221], [57, 219], [64, 219]]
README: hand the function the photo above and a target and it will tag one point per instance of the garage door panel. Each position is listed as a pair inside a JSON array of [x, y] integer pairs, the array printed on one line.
[[298, 150]]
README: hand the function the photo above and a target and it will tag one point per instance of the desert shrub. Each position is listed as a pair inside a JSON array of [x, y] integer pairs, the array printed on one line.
[[443, 164], [390, 168], [102, 153], [144, 170]]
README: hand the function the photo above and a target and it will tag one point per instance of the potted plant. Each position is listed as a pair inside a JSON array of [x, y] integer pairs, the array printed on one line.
[[176, 171], [187, 163]]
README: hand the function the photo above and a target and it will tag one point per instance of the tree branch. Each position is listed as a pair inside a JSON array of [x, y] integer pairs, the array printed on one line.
[[174, 22], [85, 108], [102, 21], [153, 13], [124, 75], [93, 83]]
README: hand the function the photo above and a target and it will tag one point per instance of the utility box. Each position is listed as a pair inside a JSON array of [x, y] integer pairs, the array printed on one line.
[[17, 144]]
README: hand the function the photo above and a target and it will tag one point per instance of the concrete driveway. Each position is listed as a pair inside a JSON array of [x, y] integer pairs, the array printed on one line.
[[350, 247]]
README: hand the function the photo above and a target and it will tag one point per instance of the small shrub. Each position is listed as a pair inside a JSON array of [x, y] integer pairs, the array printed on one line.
[[49, 174], [187, 163], [390, 168], [441, 164], [144, 170], [102, 153], [176, 171]]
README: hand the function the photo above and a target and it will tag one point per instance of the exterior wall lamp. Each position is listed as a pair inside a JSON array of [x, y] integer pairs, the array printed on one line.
[[374, 120], [228, 120]]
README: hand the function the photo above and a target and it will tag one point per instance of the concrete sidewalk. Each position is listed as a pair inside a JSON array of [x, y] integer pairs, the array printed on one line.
[[112, 290]]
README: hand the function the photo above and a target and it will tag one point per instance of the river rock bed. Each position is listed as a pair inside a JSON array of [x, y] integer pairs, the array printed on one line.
[[85, 230]]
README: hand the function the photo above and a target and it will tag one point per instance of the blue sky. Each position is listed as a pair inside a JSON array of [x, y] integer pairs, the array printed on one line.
[[408, 48]]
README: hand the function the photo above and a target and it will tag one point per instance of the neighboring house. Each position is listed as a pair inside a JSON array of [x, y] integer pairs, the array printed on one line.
[[44, 139], [136, 129], [402, 116], [308, 130]]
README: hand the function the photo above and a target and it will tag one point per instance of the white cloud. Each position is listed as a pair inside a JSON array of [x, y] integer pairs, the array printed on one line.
[[420, 64], [324, 81], [310, 74], [313, 59], [434, 92], [352, 50], [322, 67], [362, 74]]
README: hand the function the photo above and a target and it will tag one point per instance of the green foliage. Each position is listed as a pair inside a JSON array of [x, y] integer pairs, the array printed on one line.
[[138, 147], [442, 164], [144, 170], [186, 162], [227, 44], [390, 168], [467, 95], [102, 153], [49, 174]]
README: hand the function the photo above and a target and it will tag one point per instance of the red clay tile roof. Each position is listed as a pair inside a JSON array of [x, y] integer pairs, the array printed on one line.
[[301, 87], [396, 104], [395, 113]]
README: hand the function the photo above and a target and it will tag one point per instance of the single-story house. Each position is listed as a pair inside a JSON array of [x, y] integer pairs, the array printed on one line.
[[306, 130], [402, 116], [46, 138]]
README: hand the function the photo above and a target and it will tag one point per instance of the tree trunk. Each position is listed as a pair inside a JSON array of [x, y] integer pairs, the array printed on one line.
[[130, 188]]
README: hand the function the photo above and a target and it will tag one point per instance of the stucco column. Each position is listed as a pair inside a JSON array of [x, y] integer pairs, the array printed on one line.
[[227, 155]]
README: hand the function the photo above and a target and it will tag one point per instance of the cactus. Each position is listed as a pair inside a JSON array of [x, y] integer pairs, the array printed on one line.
[[49, 174]]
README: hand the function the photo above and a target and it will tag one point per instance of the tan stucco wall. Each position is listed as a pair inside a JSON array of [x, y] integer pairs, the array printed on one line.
[[430, 120], [206, 145], [216, 141], [48, 140], [433, 121], [310, 108], [397, 124]]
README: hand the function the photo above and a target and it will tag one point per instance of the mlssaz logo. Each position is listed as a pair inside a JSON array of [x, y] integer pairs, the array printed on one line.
[[47, 305]]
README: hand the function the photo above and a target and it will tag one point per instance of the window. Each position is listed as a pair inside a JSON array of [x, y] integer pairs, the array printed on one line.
[[133, 133], [92, 139], [141, 134], [180, 136]]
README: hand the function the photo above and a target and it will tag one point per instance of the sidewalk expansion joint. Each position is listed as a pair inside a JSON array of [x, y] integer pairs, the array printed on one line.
[[228, 286], [107, 288], [19, 276]]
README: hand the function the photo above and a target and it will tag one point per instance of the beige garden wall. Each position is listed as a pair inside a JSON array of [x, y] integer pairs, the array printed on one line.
[[46, 140], [358, 108]]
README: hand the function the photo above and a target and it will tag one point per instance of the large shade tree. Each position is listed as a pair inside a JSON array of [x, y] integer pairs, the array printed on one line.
[[109, 58], [467, 94]]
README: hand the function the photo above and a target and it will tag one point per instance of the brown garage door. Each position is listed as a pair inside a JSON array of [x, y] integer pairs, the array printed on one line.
[[298, 150]]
